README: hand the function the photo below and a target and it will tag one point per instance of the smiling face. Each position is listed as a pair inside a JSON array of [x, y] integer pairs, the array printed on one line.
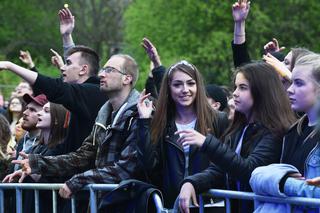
[[303, 91], [242, 96], [44, 120], [183, 89]]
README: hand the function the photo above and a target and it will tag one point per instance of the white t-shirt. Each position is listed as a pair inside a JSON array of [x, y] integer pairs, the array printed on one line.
[[186, 149]]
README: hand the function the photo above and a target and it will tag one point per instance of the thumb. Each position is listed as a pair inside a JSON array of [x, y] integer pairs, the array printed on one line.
[[194, 199], [282, 48]]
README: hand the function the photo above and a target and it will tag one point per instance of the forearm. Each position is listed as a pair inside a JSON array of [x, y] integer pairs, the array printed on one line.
[[27, 75], [64, 165], [239, 35], [299, 188]]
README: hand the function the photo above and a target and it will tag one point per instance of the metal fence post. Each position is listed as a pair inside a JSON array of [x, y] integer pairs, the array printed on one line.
[[93, 202]]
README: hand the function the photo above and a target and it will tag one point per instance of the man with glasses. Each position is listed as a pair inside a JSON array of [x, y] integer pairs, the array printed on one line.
[[108, 154]]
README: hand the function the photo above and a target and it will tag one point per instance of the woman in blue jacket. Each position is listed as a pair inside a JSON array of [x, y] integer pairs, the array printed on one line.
[[301, 150]]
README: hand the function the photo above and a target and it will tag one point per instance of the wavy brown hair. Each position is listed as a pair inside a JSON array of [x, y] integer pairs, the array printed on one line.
[[165, 107], [271, 106]]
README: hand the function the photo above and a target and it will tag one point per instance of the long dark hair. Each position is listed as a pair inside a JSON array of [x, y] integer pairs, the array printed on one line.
[[166, 109], [57, 129], [271, 106], [5, 134]]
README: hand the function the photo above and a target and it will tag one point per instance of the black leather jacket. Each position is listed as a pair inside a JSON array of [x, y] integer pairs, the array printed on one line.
[[165, 161], [228, 169]]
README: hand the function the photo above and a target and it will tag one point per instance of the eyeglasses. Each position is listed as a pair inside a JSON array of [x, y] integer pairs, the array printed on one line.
[[111, 69]]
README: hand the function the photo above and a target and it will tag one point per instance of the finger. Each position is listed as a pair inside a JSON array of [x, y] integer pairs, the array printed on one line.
[[186, 131], [69, 14], [54, 52], [194, 199], [24, 155], [282, 48], [5, 179], [275, 41], [16, 161], [22, 177]]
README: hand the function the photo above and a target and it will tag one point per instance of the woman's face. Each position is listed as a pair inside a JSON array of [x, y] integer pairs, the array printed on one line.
[[44, 120], [242, 97], [15, 105], [19, 132], [304, 89], [183, 89], [287, 60]]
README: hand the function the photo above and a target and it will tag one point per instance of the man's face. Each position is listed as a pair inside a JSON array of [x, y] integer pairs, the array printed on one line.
[[71, 70], [30, 116], [112, 76]]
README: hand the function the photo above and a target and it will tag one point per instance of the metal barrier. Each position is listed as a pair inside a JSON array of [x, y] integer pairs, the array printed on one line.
[[92, 188], [227, 194]]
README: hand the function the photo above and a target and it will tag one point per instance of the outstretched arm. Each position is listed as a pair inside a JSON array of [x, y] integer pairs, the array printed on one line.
[[24, 73]]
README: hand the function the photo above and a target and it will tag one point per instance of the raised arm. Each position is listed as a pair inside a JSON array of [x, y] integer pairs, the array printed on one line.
[[67, 23], [240, 12]]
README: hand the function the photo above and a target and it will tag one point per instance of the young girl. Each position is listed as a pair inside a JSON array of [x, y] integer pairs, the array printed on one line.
[[182, 104], [300, 154], [262, 116]]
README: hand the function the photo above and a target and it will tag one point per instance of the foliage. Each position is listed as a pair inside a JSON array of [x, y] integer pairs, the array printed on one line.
[[201, 31], [196, 30]]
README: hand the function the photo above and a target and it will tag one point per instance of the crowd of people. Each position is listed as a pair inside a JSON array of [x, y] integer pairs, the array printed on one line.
[[90, 125]]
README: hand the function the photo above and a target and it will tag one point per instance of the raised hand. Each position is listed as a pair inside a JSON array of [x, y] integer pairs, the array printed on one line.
[[56, 59], [190, 137], [240, 10], [187, 192], [278, 65], [144, 105], [151, 52], [65, 192], [67, 21], [26, 58], [272, 46]]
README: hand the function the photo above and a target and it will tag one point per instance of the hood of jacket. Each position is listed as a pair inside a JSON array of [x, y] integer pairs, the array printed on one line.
[[123, 112]]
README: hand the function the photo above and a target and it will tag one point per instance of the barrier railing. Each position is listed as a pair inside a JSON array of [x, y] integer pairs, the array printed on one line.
[[227, 194], [92, 188]]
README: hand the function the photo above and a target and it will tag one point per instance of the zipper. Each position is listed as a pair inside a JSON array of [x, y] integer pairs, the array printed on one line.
[[95, 131]]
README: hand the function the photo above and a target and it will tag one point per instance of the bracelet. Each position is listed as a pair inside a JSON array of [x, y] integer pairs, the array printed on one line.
[[240, 34]]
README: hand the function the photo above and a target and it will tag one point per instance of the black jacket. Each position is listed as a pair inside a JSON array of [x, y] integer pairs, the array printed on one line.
[[259, 148], [153, 84], [82, 100], [165, 161]]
